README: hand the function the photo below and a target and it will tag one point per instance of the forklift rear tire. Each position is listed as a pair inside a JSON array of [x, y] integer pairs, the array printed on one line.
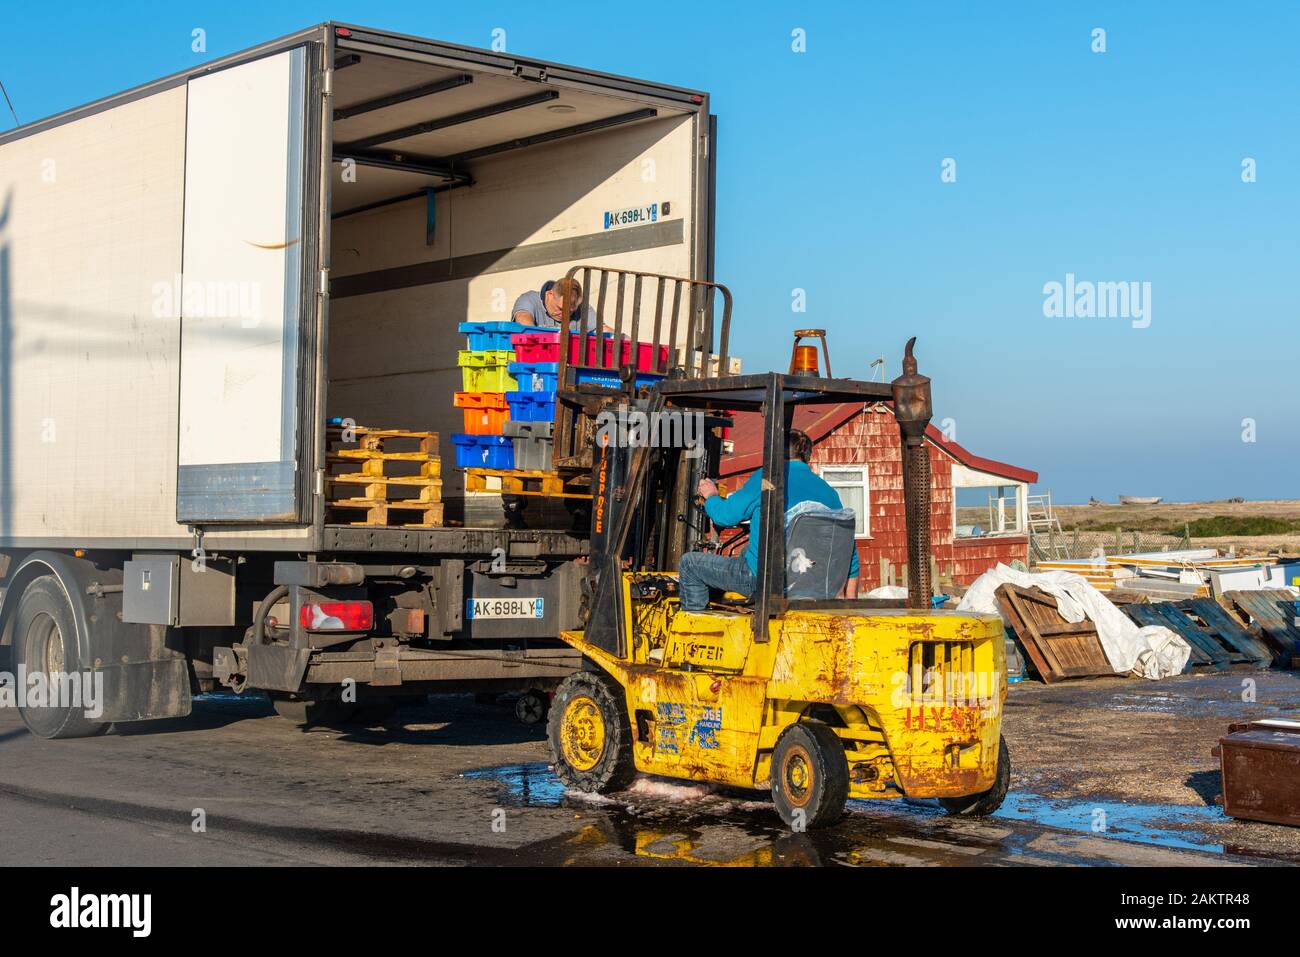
[[590, 735], [810, 776], [985, 803]]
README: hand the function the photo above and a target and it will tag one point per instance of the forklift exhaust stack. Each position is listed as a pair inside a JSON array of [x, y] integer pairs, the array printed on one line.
[[913, 409]]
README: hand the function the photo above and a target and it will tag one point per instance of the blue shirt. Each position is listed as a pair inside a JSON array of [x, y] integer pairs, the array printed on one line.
[[802, 484]]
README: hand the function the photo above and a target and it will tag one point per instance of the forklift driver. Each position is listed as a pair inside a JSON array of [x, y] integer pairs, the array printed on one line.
[[698, 571]]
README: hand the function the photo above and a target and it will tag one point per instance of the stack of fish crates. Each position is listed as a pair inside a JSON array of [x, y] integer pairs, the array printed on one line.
[[487, 382], [511, 375]]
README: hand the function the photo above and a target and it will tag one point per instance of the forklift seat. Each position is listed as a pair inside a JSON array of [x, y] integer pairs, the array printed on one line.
[[819, 543]]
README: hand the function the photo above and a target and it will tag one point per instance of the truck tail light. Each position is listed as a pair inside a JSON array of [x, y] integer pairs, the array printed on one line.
[[337, 616]]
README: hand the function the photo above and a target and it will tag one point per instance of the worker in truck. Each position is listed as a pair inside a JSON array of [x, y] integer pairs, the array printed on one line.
[[543, 307], [700, 571]]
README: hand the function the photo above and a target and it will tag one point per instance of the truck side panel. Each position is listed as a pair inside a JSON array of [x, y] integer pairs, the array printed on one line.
[[93, 239], [93, 214]]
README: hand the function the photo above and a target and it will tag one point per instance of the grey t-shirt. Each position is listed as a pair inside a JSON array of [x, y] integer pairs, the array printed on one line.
[[533, 303]]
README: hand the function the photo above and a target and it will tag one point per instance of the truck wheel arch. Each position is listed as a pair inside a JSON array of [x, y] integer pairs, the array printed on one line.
[[140, 685], [62, 568]]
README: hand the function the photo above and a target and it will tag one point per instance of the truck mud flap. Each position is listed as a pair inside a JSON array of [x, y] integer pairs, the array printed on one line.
[[145, 690], [277, 667]]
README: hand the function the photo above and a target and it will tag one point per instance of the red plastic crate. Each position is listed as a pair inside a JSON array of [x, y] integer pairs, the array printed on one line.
[[645, 356], [545, 347]]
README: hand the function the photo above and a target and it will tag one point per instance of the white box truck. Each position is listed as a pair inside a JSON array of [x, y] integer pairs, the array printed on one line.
[[198, 274]]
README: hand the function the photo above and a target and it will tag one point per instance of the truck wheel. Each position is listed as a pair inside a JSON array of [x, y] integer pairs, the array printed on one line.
[[589, 733], [985, 803], [531, 707], [45, 642], [810, 776]]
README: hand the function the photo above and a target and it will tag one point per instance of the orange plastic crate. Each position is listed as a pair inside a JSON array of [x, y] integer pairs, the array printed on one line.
[[486, 413]]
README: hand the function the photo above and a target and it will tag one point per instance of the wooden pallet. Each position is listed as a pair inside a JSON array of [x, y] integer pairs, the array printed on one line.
[[375, 439], [1058, 648], [1271, 614], [371, 464], [522, 482], [377, 511], [1216, 640]]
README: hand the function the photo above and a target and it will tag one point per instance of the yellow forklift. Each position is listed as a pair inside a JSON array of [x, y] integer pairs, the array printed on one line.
[[816, 697]]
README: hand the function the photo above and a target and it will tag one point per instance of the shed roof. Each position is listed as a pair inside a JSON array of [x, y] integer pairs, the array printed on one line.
[[820, 421]]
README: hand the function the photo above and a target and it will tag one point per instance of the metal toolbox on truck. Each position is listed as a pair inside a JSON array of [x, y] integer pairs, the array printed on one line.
[[1260, 764]]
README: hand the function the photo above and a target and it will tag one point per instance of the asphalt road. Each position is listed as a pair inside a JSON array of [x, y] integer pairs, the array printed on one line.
[[456, 782]]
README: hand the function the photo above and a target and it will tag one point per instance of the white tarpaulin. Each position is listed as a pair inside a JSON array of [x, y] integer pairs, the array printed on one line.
[[1150, 652]]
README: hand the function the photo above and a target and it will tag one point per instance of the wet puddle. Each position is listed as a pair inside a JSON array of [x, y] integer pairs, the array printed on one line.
[[681, 809], [1167, 825]]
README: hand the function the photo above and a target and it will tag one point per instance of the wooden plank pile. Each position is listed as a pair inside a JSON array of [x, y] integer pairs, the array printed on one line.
[[394, 476], [1272, 614], [1217, 640]]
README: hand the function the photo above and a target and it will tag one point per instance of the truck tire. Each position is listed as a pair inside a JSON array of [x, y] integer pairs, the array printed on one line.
[[590, 735], [532, 706], [45, 641], [985, 803], [810, 776]]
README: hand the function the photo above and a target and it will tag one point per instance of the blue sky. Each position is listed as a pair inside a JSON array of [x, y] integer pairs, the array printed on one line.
[[1117, 166]]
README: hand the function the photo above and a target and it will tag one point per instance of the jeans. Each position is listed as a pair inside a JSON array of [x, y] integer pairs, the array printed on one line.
[[699, 571]]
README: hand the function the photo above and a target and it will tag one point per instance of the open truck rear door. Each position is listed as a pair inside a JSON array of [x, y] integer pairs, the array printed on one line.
[[248, 291]]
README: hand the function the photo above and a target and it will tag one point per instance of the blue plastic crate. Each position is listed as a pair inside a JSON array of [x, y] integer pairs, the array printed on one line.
[[609, 378], [536, 376], [532, 406], [492, 336], [483, 451]]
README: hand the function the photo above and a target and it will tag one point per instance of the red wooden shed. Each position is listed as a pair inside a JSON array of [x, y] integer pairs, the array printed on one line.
[[979, 506]]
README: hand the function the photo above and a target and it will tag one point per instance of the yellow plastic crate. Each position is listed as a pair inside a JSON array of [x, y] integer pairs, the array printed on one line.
[[487, 371]]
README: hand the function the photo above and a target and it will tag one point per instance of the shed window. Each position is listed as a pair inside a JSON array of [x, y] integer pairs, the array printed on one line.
[[987, 510], [851, 486]]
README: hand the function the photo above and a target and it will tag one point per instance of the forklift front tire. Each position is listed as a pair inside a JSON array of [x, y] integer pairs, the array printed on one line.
[[810, 776], [590, 735], [985, 803]]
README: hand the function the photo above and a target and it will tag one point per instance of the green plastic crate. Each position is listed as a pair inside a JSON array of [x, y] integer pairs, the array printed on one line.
[[487, 371]]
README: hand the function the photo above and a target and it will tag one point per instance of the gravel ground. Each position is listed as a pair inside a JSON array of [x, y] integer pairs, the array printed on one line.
[[1128, 740]]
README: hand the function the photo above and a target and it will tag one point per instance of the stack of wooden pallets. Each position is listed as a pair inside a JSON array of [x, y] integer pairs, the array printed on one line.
[[393, 476]]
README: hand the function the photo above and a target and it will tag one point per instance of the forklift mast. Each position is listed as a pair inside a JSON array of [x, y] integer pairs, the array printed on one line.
[[643, 495]]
